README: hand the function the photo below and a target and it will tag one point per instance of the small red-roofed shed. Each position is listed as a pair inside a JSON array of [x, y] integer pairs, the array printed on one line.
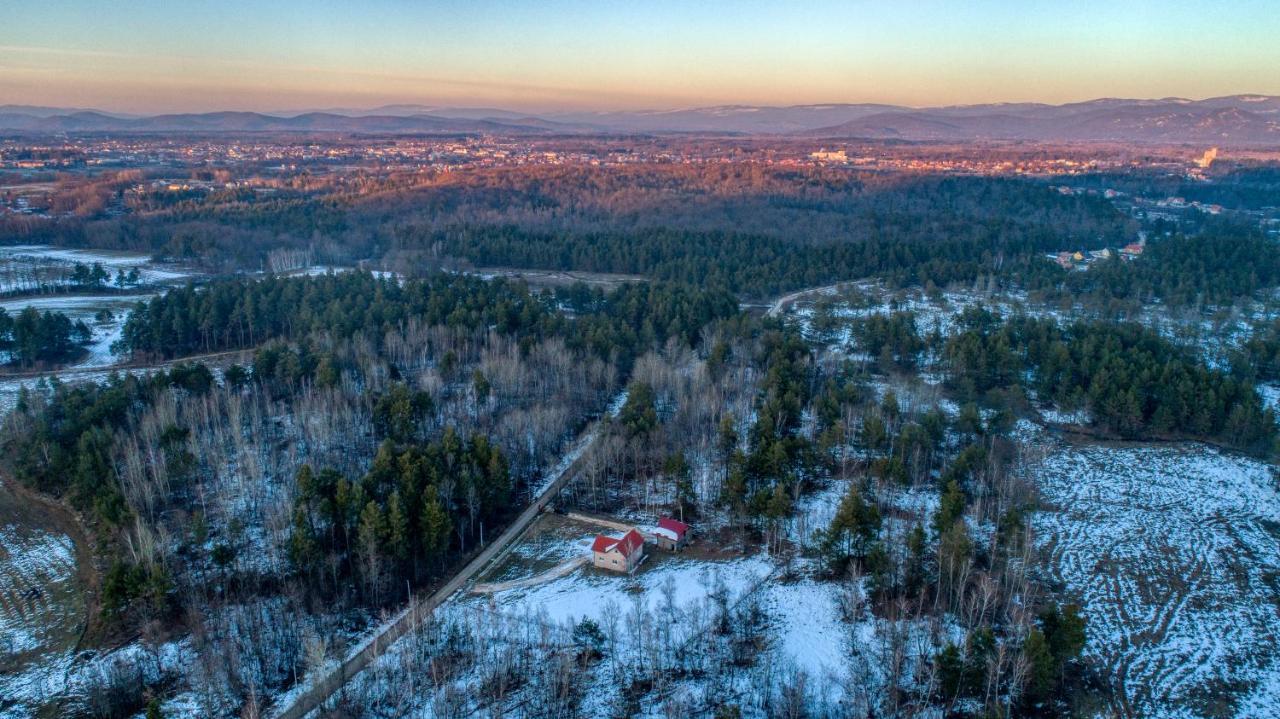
[[671, 534]]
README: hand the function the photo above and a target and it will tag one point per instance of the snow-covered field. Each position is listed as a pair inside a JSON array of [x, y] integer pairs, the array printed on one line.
[[41, 605], [85, 308], [1174, 551], [20, 265], [1270, 395], [1175, 554], [23, 267]]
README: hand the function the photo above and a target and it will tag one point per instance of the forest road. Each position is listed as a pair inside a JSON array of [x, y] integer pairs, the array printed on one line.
[[780, 305], [418, 609], [67, 372]]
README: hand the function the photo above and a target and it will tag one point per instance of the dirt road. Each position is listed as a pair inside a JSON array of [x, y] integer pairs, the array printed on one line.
[[781, 304]]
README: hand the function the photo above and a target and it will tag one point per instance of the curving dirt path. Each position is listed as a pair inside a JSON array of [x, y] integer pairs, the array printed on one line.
[[783, 303], [554, 573]]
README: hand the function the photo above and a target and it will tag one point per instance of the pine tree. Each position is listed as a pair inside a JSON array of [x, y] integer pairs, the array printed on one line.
[[397, 528], [1042, 667], [436, 526]]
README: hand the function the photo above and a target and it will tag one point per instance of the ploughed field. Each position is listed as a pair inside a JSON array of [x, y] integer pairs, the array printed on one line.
[[42, 602], [1174, 552]]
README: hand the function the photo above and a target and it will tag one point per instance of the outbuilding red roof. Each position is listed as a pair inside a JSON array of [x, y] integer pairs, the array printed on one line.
[[673, 525]]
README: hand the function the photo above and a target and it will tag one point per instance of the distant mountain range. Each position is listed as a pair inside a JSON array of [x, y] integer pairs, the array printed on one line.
[[1237, 119], [245, 122]]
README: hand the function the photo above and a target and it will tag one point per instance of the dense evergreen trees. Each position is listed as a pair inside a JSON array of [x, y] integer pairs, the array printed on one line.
[[764, 478], [891, 339], [404, 518], [1133, 382], [41, 338], [747, 227], [237, 313], [1052, 651], [754, 265], [1258, 358], [61, 445]]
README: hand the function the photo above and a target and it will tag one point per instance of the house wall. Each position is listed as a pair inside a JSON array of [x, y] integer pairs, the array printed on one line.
[[669, 544], [615, 562], [612, 561]]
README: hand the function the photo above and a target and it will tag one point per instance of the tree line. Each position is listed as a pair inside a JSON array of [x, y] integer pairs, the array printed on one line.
[[40, 338], [237, 313]]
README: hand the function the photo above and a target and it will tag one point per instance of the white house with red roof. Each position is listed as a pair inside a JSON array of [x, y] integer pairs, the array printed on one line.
[[618, 554], [671, 534]]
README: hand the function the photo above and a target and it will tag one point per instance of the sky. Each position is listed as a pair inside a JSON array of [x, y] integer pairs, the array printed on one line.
[[153, 56]]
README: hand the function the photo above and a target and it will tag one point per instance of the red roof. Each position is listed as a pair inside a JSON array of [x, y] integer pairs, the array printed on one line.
[[627, 545], [630, 543], [673, 525]]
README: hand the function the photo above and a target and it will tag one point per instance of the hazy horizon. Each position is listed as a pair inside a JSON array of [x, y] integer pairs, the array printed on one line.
[[149, 57], [428, 107]]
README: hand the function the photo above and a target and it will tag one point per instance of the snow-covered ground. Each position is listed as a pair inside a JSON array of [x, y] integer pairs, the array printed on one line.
[[1211, 336], [18, 264], [1175, 553], [1270, 395], [86, 309], [668, 581], [41, 605]]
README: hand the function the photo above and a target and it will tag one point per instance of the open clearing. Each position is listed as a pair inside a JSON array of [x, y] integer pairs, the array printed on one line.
[[670, 581], [1175, 554], [42, 601], [18, 262]]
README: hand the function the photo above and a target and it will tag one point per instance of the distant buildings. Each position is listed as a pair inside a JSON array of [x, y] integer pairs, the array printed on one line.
[[829, 156], [1081, 260]]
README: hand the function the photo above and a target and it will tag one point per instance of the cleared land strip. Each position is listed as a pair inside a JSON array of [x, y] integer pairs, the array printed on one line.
[[74, 372], [608, 523], [418, 609]]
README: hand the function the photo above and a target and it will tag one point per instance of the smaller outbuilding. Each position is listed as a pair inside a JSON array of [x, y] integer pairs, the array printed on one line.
[[671, 534], [618, 554]]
